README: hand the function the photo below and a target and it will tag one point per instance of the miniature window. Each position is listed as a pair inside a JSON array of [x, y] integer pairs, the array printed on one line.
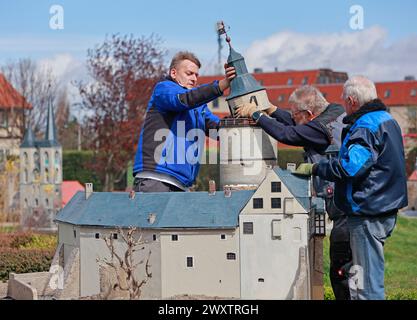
[[25, 179], [281, 98], [290, 81], [258, 203], [413, 92], [387, 93], [154, 237], [36, 202], [25, 158], [3, 119], [115, 236], [75, 233], [174, 237], [275, 203], [231, 256], [190, 262], [275, 186], [26, 203], [223, 237], [46, 175], [47, 203], [46, 159], [261, 280], [247, 227], [97, 235]]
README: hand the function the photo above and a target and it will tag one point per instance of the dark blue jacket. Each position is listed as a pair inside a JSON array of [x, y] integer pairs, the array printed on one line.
[[369, 173], [167, 142]]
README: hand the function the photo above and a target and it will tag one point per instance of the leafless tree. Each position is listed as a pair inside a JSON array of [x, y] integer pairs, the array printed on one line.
[[125, 70], [36, 85], [124, 266]]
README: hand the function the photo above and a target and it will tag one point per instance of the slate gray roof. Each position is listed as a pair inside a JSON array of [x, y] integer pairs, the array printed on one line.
[[297, 185], [172, 209]]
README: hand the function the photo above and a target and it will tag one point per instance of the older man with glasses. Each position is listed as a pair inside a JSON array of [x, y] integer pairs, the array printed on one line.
[[315, 124]]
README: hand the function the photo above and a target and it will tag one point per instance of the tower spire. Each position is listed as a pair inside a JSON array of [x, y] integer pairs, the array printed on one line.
[[50, 134]]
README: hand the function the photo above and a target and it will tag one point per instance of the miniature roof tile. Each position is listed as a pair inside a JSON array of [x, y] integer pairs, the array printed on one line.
[[172, 210]]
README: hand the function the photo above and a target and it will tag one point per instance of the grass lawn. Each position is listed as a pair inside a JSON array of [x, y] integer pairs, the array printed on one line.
[[400, 262]]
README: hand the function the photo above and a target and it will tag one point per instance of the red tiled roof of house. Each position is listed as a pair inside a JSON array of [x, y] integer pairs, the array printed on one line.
[[69, 189], [413, 176], [9, 97], [396, 93]]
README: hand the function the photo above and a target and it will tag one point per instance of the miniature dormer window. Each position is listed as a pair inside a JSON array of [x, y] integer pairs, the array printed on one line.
[[258, 203], [275, 186], [276, 203]]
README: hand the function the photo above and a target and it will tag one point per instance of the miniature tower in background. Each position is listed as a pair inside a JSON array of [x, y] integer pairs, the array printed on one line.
[[41, 177]]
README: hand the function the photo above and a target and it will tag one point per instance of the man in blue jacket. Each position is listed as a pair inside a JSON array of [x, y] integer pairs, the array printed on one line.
[[173, 134], [316, 125], [370, 183]]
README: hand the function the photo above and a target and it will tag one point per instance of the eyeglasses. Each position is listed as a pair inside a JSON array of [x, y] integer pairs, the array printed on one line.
[[299, 111]]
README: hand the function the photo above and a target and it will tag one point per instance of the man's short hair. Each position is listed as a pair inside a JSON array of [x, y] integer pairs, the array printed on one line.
[[184, 55], [360, 88], [308, 98]]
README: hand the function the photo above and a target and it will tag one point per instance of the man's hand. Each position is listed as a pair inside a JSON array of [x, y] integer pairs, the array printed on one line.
[[230, 73], [271, 109], [304, 169], [246, 110]]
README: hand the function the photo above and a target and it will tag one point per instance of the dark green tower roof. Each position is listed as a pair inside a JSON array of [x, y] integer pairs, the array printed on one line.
[[29, 139], [244, 82]]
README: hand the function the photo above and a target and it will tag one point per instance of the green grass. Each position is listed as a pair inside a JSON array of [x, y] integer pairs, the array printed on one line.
[[400, 262]]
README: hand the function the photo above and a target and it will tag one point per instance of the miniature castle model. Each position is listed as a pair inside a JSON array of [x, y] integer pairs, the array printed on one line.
[[40, 177], [248, 244]]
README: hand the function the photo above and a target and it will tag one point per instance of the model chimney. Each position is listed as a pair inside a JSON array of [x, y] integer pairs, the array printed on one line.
[[227, 191], [88, 190], [212, 187]]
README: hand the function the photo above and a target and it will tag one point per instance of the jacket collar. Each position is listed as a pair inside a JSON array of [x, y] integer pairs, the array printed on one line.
[[374, 105]]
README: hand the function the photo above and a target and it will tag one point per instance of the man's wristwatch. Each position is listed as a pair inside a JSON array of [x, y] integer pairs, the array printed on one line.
[[257, 115]]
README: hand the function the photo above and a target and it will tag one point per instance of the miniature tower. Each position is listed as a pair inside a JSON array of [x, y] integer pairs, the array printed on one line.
[[246, 151], [41, 177], [243, 88]]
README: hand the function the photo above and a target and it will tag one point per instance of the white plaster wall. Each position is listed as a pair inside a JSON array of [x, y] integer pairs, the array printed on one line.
[[264, 191], [212, 274], [277, 261], [93, 249]]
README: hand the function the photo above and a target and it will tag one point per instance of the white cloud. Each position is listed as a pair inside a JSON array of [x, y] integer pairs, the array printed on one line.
[[364, 52]]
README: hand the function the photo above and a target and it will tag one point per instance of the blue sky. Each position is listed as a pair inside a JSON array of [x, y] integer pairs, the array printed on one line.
[[257, 27]]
